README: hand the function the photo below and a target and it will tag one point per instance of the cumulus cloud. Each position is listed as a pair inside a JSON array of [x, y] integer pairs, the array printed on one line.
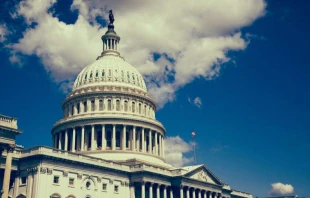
[[281, 189], [3, 32], [197, 101], [191, 38], [175, 148]]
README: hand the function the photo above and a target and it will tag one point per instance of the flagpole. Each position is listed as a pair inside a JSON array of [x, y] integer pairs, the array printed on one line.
[[194, 151]]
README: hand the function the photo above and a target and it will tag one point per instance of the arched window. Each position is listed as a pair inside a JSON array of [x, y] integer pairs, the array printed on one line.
[[93, 105], [85, 106], [140, 108], [85, 77], [109, 105], [145, 110], [126, 105], [109, 138], [133, 107], [96, 73], [102, 73], [55, 195], [118, 105], [91, 75], [78, 108], [100, 105]]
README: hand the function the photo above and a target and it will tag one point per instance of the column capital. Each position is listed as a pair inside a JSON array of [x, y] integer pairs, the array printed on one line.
[[10, 148]]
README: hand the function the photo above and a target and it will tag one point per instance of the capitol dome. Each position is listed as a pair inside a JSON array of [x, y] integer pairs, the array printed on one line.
[[110, 70], [109, 114]]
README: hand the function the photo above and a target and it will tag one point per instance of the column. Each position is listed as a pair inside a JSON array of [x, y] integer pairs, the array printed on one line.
[[156, 145], [34, 185], [193, 194], [150, 141], [113, 137], [163, 145], [29, 185], [16, 185], [96, 104], [138, 140], [199, 194], [205, 194], [132, 190], [157, 191], [75, 109], [92, 139], [181, 191], [143, 142], [165, 191], [59, 140], [7, 171], [103, 140], [160, 148], [215, 195], [82, 138], [142, 190], [124, 138], [171, 192], [210, 194], [151, 191], [66, 140], [133, 141], [73, 140], [187, 192]]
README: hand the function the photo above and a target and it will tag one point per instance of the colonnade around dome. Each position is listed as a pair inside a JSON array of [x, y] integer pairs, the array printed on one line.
[[110, 137]]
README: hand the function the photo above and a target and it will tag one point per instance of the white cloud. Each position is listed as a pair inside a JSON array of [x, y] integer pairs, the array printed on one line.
[[281, 189], [197, 101], [3, 32], [175, 148], [195, 35]]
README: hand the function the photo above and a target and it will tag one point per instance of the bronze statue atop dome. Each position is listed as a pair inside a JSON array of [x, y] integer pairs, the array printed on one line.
[[111, 17]]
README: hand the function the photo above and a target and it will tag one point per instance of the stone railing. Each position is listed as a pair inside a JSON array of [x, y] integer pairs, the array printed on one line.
[[8, 121], [110, 115]]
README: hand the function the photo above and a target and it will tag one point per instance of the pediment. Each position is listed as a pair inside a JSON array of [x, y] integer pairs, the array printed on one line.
[[203, 174]]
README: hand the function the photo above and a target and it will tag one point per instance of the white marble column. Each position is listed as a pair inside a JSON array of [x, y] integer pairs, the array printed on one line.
[[133, 141], [34, 185], [29, 185], [199, 194], [193, 193], [187, 192], [143, 142], [132, 190], [92, 138], [181, 191], [138, 140], [81, 107], [82, 138], [16, 185], [103, 140], [163, 146], [113, 137], [150, 141], [151, 190], [73, 140], [75, 109], [59, 140], [124, 138], [165, 191], [160, 146], [156, 143], [171, 192], [7, 172], [205, 194], [66, 140], [142, 190], [97, 103], [158, 191], [210, 194]]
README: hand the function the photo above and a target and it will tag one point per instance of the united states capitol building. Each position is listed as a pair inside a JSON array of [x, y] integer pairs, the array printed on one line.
[[108, 144]]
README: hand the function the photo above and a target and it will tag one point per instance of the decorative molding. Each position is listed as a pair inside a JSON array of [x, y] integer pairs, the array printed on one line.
[[202, 176], [98, 179], [79, 176], [65, 173], [49, 171], [43, 170], [110, 181]]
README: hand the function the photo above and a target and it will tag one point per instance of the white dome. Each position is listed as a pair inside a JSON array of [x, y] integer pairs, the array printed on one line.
[[110, 70]]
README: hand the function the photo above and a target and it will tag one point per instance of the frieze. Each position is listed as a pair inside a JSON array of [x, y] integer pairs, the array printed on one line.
[[202, 176]]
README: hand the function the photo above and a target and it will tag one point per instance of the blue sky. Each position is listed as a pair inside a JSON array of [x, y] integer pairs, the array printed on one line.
[[253, 125]]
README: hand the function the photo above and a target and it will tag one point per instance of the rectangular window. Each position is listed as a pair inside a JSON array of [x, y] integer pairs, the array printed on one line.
[[116, 189], [56, 180], [71, 181], [23, 180], [104, 187]]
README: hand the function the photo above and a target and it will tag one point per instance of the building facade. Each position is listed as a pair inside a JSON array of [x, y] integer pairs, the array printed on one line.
[[108, 144]]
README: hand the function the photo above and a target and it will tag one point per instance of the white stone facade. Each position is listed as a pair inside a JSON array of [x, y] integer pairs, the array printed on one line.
[[109, 143]]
